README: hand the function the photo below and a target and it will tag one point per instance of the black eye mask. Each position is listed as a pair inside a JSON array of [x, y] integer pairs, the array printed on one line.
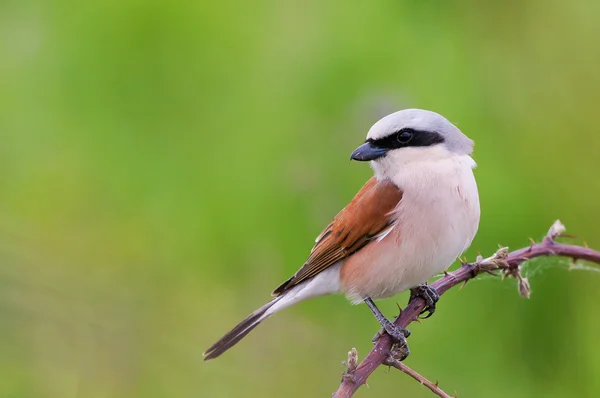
[[407, 137]]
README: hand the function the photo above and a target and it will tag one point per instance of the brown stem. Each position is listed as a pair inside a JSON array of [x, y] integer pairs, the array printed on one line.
[[401, 366], [502, 260]]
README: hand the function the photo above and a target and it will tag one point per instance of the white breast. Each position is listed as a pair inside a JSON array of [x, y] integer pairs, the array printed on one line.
[[437, 219]]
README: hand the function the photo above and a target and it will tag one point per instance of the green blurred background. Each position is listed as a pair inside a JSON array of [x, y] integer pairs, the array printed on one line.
[[165, 165]]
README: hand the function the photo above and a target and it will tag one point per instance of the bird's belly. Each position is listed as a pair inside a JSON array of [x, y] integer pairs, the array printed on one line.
[[421, 245]]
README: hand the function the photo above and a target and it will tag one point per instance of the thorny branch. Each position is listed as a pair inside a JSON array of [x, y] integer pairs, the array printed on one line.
[[405, 369], [502, 262]]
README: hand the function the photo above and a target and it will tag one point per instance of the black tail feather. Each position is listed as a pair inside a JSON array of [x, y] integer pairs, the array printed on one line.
[[238, 332]]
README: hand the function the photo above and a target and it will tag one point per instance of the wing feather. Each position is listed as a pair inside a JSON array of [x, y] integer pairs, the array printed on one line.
[[367, 217]]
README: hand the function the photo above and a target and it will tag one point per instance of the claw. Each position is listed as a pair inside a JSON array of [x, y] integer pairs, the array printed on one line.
[[378, 335], [398, 353], [427, 293]]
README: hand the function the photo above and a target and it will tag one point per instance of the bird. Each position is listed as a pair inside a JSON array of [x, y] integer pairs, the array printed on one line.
[[409, 222]]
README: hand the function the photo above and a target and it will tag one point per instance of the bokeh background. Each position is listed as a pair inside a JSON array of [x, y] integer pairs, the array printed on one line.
[[165, 165]]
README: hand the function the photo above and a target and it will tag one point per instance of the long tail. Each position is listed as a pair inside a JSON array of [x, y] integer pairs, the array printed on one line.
[[327, 282], [241, 330]]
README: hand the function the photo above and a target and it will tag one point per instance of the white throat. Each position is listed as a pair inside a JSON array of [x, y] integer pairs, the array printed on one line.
[[421, 166]]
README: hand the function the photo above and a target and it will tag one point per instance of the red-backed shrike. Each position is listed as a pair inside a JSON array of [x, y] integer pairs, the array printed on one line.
[[408, 223]]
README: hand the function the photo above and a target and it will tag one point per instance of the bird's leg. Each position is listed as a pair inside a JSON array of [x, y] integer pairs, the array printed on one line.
[[427, 293], [398, 334]]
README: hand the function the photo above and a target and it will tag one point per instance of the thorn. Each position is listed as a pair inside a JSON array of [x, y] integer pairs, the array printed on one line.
[[446, 273], [463, 284], [399, 309], [532, 244], [455, 394], [572, 265], [417, 319], [569, 236], [437, 383], [585, 245]]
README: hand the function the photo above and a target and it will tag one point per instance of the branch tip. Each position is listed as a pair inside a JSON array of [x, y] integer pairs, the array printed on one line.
[[352, 363]]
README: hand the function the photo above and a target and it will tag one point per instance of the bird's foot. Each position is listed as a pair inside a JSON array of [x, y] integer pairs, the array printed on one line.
[[377, 335], [399, 349], [427, 293], [399, 353], [398, 334]]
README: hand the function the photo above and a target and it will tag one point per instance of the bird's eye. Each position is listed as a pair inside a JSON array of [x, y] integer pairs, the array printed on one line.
[[404, 136]]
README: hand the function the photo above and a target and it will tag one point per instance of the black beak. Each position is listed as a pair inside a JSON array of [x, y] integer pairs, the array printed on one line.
[[368, 151]]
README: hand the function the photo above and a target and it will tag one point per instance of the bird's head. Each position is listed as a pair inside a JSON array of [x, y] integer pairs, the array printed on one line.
[[411, 136]]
